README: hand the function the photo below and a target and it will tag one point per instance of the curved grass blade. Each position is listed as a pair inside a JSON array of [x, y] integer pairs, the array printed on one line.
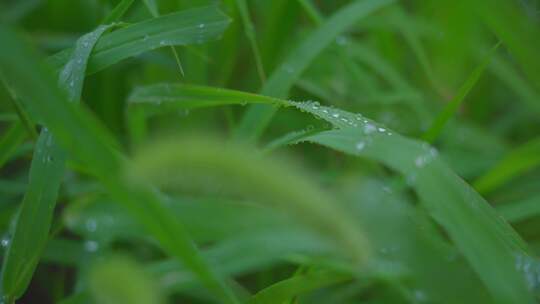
[[511, 77], [460, 210], [451, 107], [31, 229], [518, 161], [250, 34], [296, 285], [185, 27], [83, 137], [119, 11], [470, 221], [522, 210], [312, 11], [279, 83], [195, 164], [518, 33], [152, 7]]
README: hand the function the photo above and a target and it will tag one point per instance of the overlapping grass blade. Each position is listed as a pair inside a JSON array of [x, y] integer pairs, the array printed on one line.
[[86, 140], [250, 34], [518, 161], [460, 210], [296, 285], [521, 210], [191, 26], [451, 107], [257, 117], [119, 10], [31, 228], [469, 220], [511, 77], [518, 33]]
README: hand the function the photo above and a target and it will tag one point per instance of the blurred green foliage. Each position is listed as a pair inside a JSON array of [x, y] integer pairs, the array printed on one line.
[[250, 151]]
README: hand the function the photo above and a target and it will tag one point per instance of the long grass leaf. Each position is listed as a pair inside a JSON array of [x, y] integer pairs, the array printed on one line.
[[451, 107], [521, 210], [256, 119], [191, 26], [518, 161], [296, 285], [31, 229], [453, 203], [118, 11], [82, 136], [249, 30]]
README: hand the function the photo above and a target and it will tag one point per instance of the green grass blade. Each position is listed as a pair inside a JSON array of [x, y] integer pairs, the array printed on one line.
[[161, 98], [460, 210], [257, 117], [518, 33], [152, 7], [191, 26], [522, 210], [454, 204], [10, 140], [312, 11], [118, 12], [249, 30], [296, 285], [518, 161], [31, 229], [451, 107], [86, 140], [511, 77]]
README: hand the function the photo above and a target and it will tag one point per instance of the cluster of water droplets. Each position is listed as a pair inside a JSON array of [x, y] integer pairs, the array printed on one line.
[[427, 157], [530, 268], [5, 241], [343, 119]]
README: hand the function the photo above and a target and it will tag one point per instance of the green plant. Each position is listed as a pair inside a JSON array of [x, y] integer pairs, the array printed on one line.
[[123, 183]]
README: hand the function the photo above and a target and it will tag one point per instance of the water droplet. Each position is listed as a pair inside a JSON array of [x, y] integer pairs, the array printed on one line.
[[342, 40], [72, 83], [145, 37], [162, 42], [288, 69], [5, 242], [530, 268], [91, 246], [369, 128], [360, 145], [420, 295], [335, 115], [411, 179], [202, 25], [90, 225], [382, 130]]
